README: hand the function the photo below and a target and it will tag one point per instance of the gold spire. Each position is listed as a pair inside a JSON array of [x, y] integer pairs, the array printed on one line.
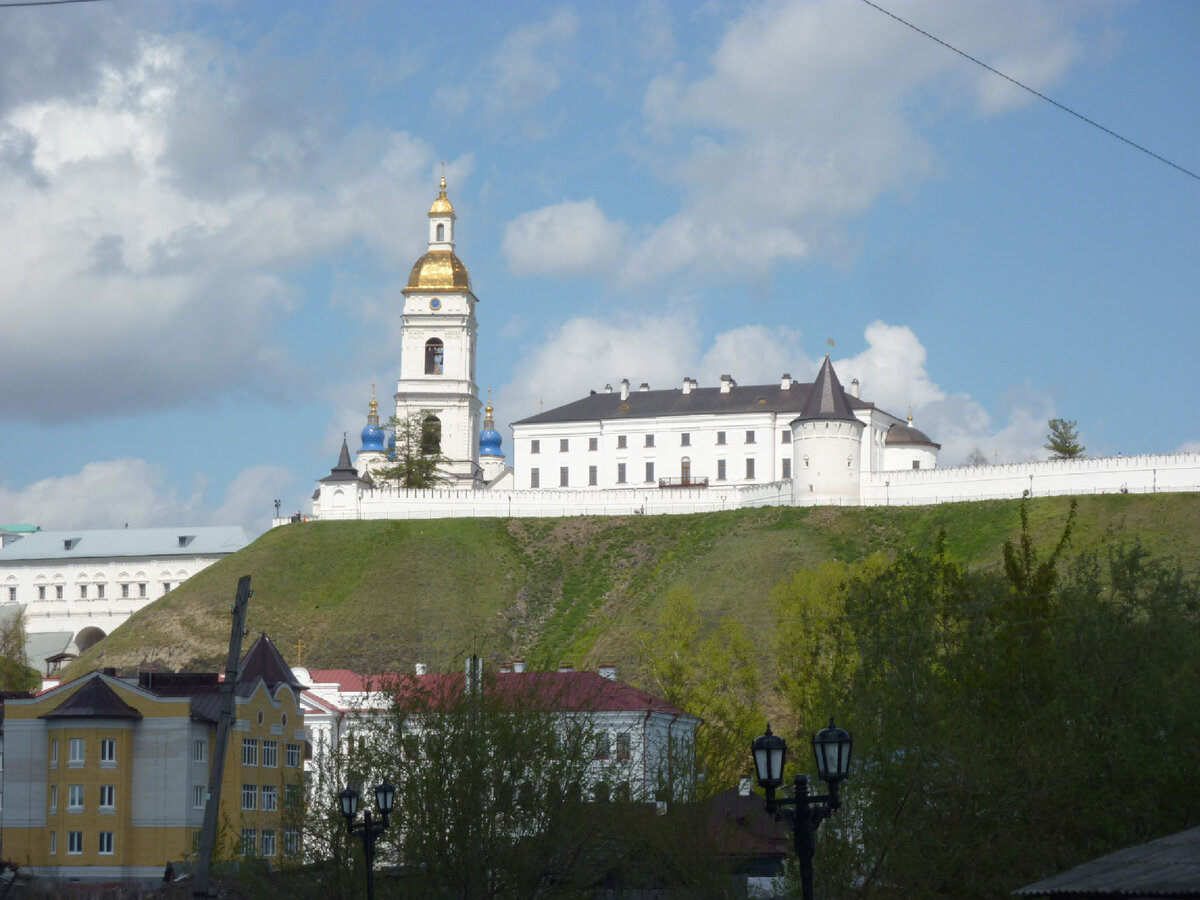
[[373, 415], [441, 206]]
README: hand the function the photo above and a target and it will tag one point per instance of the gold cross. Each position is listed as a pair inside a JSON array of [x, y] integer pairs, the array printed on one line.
[[300, 645]]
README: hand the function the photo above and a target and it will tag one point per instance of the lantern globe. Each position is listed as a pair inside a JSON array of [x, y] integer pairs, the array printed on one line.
[[832, 747], [769, 752], [349, 800], [385, 796]]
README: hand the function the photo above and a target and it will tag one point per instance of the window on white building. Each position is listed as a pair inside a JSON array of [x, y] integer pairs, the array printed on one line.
[[649, 471], [58, 592], [623, 747], [749, 468], [785, 437], [100, 591], [41, 592], [562, 476], [564, 445], [435, 355], [649, 440], [787, 468], [535, 446], [124, 590], [83, 592], [602, 746], [750, 437], [593, 474], [620, 473], [142, 589], [593, 444], [720, 470], [720, 437], [685, 439], [622, 441], [535, 478]]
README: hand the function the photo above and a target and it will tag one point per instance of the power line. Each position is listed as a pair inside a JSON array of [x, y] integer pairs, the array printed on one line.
[[1026, 87]]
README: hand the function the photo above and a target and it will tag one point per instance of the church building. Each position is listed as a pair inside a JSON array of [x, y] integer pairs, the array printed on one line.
[[622, 449]]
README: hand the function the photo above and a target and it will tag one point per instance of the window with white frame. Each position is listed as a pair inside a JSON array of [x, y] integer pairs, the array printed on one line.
[[785, 437], [720, 437], [54, 753], [621, 442], [593, 443], [75, 797], [58, 592], [108, 796], [199, 750], [270, 754], [54, 843], [787, 468], [563, 476], [270, 798], [249, 841], [535, 446], [720, 470], [291, 796], [535, 478], [74, 843], [199, 794], [249, 751], [620, 473], [649, 440], [83, 592], [291, 841], [268, 842], [564, 445], [249, 796], [41, 592], [749, 468], [77, 750], [602, 746], [54, 798], [108, 750], [593, 475], [124, 590], [106, 843], [649, 471], [142, 589], [750, 436], [293, 755], [100, 591], [623, 746]]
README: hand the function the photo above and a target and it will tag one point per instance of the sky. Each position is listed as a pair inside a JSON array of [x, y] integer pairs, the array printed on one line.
[[208, 211]]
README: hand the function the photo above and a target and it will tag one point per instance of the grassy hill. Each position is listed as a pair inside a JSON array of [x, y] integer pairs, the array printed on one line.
[[379, 596]]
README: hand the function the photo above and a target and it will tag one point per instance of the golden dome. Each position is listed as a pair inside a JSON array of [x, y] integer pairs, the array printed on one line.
[[441, 206], [439, 270]]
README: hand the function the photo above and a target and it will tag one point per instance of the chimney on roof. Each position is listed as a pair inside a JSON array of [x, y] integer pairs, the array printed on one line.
[[608, 670], [785, 382], [624, 388], [518, 666], [420, 668], [687, 384], [566, 667], [608, 389], [854, 388], [727, 383], [644, 386]]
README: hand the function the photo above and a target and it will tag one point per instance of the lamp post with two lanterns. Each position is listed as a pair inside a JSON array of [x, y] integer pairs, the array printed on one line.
[[831, 746], [369, 829]]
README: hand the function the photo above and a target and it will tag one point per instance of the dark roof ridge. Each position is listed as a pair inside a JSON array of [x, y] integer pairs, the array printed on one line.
[[827, 400]]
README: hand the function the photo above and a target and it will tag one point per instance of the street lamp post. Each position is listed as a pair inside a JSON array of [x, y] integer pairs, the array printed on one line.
[[831, 746], [369, 829]]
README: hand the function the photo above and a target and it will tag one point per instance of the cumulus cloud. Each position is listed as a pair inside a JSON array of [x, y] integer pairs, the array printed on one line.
[[134, 492], [156, 262], [525, 69], [568, 238], [810, 112]]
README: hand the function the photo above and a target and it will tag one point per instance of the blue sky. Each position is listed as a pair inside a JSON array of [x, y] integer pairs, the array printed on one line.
[[208, 210]]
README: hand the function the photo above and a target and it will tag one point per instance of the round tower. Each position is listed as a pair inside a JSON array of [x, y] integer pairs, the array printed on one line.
[[826, 445], [372, 454], [491, 451]]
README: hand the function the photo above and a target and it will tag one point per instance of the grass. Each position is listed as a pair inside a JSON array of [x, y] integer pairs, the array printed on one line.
[[379, 596]]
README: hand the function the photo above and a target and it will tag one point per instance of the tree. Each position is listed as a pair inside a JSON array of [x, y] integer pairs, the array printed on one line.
[[1063, 440], [15, 671], [977, 458], [418, 459]]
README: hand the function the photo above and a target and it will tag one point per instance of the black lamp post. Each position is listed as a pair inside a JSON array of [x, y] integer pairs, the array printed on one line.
[[831, 746], [369, 830]]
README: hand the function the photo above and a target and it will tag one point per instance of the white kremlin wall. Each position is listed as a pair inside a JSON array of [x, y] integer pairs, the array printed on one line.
[[901, 487]]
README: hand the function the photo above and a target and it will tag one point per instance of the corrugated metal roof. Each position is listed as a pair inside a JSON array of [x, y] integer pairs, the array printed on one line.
[[1168, 867], [751, 398], [184, 540]]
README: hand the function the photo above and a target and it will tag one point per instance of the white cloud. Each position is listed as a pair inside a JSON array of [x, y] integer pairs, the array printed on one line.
[[810, 112], [157, 261], [1189, 447], [250, 497], [525, 69], [568, 238]]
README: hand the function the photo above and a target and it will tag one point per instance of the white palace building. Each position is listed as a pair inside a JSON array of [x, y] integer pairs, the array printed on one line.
[[681, 450]]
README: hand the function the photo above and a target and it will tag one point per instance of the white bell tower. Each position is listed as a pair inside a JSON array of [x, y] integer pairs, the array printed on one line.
[[437, 355]]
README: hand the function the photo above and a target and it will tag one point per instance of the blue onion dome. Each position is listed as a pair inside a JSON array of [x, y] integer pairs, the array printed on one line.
[[489, 438], [372, 434], [391, 445]]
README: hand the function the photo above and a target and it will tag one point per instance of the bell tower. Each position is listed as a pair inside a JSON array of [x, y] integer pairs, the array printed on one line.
[[437, 351]]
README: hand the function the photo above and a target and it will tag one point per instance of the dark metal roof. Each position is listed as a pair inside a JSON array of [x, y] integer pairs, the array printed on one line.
[[265, 662], [1168, 867], [94, 700], [344, 470], [827, 400], [906, 434], [699, 401]]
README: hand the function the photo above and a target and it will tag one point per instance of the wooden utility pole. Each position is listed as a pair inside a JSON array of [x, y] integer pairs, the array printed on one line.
[[216, 771]]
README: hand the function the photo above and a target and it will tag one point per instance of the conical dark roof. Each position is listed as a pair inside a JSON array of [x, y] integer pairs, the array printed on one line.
[[94, 700], [265, 662], [826, 399], [344, 470]]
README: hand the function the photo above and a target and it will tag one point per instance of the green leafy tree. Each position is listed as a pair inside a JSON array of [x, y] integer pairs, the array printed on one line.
[[1063, 440], [15, 671], [418, 460]]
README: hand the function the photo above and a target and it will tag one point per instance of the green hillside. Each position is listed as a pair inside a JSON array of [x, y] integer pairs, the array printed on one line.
[[379, 596]]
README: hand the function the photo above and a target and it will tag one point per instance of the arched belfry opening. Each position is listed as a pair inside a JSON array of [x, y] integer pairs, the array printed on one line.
[[431, 435], [441, 231], [435, 356]]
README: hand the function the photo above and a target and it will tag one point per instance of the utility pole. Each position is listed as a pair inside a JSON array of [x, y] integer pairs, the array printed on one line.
[[216, 771]]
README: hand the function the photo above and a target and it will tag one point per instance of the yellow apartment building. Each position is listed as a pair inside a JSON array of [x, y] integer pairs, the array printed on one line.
[[106, 778]]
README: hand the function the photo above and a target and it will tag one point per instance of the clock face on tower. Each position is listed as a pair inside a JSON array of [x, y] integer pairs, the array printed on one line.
[[435, 304]]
